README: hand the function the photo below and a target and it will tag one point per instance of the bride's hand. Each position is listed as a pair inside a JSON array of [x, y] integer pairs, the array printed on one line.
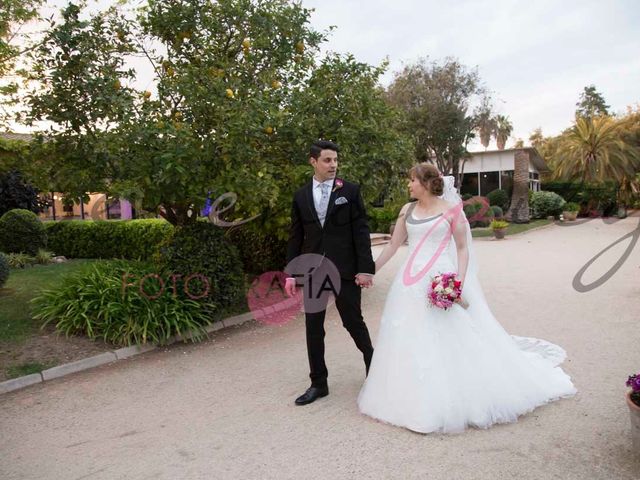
[[462, 302]]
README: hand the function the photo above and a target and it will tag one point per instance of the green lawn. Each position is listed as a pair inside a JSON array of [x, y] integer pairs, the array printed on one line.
[[17, 328], [511, 229], [24, 284]]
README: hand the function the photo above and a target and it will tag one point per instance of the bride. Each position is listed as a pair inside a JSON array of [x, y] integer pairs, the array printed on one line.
[[436, 370]]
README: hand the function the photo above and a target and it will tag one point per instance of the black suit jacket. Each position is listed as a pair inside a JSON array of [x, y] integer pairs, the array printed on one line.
[[344, 239]]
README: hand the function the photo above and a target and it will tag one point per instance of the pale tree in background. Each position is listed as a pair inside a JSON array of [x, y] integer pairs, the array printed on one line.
[[503, 129], [14, 15], [485, 121], [591, 103], [435, 99]]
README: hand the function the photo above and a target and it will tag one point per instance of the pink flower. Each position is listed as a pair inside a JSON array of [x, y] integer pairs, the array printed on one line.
[[442, 298]]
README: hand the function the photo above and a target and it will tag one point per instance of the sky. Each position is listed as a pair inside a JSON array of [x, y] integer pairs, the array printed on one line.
[[535, 56]]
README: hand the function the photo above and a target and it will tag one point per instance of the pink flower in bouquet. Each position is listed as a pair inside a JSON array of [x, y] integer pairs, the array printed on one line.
[[445, 290]]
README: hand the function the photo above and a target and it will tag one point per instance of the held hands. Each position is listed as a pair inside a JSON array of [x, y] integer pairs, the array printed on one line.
[[364, 280]]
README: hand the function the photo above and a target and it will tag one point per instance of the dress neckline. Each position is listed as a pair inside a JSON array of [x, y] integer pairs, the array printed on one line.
[[412, 219]]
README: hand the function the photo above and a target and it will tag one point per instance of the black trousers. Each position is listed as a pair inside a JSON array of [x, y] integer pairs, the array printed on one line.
[[348, 305]]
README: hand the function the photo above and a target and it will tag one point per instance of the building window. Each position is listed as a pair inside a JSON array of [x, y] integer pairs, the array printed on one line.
[[113, 210], [506, 181], [489, 181], [469, 184]]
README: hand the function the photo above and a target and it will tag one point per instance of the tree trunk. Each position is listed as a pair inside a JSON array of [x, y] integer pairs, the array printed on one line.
[[169, 215], [519, 209]]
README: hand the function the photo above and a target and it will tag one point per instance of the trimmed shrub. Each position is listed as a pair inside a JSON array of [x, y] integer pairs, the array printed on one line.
[[499, 198], [545, 203], [4, 269], [497, 211], [105, 302], [124, 239], [202, 249], [21, 231], [598, 198], [478, 212], [259, 252], [380, 219]]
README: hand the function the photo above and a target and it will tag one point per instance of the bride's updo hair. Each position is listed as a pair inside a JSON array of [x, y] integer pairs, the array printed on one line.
[[429, 176]]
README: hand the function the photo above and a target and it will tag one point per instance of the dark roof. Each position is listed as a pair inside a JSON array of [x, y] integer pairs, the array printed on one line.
[[26, 137]]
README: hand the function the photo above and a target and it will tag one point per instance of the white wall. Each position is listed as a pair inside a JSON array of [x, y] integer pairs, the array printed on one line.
[[492, 162], [489, 162]]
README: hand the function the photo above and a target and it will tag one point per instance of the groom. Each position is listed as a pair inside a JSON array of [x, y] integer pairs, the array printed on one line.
[[328, 218]]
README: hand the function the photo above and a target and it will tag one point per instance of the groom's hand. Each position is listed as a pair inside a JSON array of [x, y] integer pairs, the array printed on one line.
[[364, 280], [290, 287]]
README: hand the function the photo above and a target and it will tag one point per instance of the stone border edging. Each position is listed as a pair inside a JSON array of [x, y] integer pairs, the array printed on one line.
[[111, 356]]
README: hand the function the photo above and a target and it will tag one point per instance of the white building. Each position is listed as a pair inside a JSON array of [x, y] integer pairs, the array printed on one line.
[[493, 169]]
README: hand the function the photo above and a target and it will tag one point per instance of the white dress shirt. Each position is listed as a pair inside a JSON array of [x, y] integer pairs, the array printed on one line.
[[317, 191]]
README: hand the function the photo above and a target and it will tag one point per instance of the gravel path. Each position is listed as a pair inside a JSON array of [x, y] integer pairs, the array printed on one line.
[[223, 409]]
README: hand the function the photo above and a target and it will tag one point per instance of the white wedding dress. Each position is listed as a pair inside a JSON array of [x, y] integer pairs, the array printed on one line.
[[437, 370]]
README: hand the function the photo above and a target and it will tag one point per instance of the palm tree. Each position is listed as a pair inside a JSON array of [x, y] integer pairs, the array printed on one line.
[[503, 129], [486, 126], [593, 151], [484, 120]]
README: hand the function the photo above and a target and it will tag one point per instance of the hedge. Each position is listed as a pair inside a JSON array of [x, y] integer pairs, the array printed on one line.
[[126, 239]]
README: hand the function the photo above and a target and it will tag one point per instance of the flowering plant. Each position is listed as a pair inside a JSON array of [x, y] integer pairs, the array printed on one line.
[[634, 382], [338, 184], [444, 290]]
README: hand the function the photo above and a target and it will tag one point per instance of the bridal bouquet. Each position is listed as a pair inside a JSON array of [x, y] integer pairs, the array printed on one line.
[[445, 290]]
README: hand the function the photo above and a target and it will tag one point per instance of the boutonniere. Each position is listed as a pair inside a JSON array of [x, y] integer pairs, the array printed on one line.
[[338, 184]]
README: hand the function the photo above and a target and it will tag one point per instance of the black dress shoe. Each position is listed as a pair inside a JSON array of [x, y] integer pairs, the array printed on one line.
[[312, 394]]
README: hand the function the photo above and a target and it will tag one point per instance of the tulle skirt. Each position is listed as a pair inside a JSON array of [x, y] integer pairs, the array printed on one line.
[[437, 370]]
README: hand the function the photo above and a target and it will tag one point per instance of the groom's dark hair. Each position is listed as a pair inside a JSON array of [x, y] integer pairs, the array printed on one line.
[[320, 145]]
